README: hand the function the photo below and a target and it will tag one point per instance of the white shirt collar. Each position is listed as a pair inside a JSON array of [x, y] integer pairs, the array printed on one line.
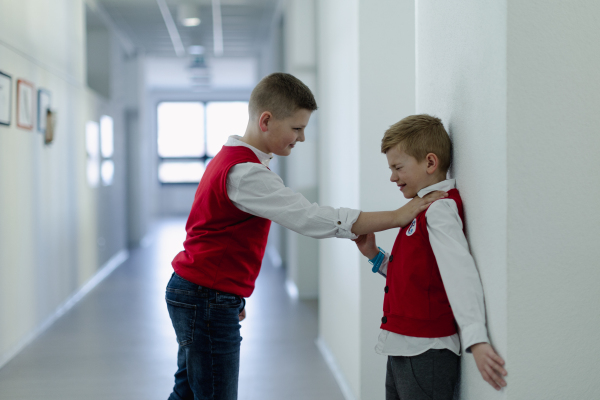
[[264, 158], [446, 185]]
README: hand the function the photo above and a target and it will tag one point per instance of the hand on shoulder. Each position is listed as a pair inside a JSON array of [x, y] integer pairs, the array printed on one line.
[[417, 205]]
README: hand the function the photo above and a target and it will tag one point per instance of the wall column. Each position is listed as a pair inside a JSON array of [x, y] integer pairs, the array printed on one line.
[[366, 83], [302, 252]]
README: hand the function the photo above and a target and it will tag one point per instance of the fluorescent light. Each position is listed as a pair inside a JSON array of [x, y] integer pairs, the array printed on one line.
[[172, 28], [217, 28], [190, 22], [188, 14]]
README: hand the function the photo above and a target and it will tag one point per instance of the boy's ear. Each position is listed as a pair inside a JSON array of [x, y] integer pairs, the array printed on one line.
[[264, 120], [433, 163]]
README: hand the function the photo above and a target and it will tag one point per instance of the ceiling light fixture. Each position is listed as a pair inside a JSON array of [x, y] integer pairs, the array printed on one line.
[[188, 14], [217, 28], [172, 28]]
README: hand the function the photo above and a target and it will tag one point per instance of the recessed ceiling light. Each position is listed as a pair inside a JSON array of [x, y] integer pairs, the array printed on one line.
[[191, 22], [188, 14]]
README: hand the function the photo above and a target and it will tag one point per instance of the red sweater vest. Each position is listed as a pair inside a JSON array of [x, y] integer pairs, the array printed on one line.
[[415, 302], [225, 246]]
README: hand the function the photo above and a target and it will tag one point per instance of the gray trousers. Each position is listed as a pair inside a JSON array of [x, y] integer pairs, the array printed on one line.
[[432, 375]]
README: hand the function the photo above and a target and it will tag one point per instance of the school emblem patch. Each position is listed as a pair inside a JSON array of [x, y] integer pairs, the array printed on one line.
[[412, 228]]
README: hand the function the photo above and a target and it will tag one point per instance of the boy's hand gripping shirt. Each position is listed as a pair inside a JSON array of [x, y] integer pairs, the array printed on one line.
[[460, 279]]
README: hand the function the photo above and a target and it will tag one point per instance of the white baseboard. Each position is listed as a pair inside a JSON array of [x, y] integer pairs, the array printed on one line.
[[335, 369], [102, 273]]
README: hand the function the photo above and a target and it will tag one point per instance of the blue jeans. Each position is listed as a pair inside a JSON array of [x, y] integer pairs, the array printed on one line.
[[208, 332]]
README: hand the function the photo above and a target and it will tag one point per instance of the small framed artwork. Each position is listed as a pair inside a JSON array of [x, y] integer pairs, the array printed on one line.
[[5, 98], [24, 104], [50, 123], [44, 104]]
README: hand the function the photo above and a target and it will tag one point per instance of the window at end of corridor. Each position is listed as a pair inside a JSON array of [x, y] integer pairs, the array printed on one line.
[[190, 134]]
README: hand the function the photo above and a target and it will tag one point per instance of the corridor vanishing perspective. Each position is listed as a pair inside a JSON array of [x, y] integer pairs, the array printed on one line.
[[111, 111], [117, 343]]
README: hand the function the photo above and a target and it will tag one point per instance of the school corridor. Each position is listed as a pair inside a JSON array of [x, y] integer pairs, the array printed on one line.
[[111, 110], [118, 342]]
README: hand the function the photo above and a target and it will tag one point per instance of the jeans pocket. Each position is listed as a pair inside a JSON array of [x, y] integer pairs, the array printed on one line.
[[226, 300], [183, 317]]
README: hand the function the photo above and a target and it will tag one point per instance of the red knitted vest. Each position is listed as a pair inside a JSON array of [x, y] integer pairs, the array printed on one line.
[[225, 246], [415, 302]]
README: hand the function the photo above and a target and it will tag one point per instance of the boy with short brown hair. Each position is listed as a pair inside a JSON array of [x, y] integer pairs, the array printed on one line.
[[227, 231], [432, 284]]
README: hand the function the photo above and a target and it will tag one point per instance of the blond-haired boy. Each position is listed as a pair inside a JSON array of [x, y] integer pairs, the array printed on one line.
[[432, 284], [227, 231]]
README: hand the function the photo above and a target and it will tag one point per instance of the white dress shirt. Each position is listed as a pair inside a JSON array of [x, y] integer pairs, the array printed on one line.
[[461, 281], [255, 189]]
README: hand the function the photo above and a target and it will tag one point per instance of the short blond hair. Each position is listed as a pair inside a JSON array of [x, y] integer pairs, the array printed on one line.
[[419, 135], [281, 94]]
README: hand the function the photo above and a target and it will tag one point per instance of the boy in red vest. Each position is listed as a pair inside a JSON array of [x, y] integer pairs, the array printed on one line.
[[432, 284], [227, 231]]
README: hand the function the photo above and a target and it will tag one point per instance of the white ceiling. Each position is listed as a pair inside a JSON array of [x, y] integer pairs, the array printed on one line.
[[225, 73], [246, 25]]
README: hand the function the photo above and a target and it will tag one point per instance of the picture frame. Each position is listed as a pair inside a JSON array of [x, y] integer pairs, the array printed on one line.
[[25, 93], [50, 119], [44, 101], [5, 98]]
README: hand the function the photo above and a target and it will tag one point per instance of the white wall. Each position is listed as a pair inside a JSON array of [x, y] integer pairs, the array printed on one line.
[[339, 312], [461, 78], [366, 83], [51, 220], [553, 177], [517, 85], [387, 94], [300, 60]]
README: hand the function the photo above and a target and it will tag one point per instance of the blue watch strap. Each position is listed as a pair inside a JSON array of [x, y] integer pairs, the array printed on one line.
[[377, 260]]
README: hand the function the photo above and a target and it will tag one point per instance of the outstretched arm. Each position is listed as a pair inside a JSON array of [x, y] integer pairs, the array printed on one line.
[[369, 222], [254, 189]]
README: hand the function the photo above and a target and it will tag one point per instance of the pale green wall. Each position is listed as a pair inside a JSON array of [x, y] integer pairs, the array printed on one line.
[[50, 218]]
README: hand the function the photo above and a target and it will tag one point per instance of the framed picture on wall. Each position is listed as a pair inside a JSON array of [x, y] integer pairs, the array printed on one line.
[[24, 104], [5, 98], [44, 104]]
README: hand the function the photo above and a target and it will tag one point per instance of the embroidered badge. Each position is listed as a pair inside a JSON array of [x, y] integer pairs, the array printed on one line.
[[412, 228]]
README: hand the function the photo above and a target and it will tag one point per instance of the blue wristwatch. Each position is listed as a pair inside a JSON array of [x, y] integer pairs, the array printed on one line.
[[377, 260]]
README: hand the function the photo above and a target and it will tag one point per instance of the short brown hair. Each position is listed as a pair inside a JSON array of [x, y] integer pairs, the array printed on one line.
[[281, 94], [419, 135]]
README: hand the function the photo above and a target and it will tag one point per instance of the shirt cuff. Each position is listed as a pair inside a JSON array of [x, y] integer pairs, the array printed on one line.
[[346, 218], [473, 334], [384, 265]]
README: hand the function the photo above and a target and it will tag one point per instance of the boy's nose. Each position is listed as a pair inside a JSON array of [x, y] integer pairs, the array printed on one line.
[[301, 137]]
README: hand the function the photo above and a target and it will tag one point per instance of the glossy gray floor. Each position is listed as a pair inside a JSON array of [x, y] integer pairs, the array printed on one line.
[[117, 343]]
